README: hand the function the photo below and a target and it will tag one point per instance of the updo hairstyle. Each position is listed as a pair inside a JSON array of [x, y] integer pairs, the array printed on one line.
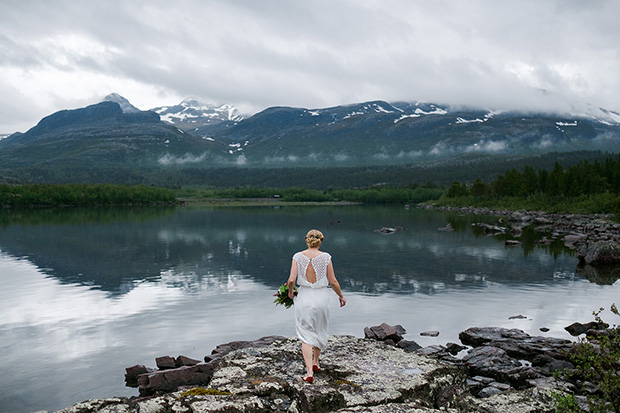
[[314, 238]]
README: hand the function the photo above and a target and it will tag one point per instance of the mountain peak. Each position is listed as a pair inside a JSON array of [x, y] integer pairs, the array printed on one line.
[[124, 103], [196, 103], [193, 112]]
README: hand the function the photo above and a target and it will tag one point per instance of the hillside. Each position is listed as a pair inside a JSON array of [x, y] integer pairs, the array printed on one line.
[[352, 145], [379, 133], [99, 143]]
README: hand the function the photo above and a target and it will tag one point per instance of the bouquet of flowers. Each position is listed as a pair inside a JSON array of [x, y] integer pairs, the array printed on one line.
[[282, 296]]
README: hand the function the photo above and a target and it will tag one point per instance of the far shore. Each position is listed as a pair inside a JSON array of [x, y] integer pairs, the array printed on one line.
[[255, 202]]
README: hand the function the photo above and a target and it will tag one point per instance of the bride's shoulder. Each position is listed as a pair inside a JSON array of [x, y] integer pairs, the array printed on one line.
[[298, 255]]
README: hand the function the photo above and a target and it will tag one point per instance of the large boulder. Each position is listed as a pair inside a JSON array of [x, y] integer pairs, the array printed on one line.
[[516, 343], [385, 332], [577, 329], [599, 253], [493, 362], [512, 356]]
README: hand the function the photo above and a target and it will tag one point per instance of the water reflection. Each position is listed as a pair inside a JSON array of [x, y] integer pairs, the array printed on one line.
[[601, 274], [87, 293], [112, 251]]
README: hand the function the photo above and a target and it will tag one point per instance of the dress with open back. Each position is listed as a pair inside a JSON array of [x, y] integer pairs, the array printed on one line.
[[311, 302]]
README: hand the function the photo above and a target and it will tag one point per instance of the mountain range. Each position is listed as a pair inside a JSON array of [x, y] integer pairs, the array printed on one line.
[[113, 141]]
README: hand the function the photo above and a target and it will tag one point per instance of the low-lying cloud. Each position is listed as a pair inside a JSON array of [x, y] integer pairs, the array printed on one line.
[[188, 158], [487, 146]]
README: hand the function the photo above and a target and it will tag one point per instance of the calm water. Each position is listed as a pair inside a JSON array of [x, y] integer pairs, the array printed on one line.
[[86, 293]]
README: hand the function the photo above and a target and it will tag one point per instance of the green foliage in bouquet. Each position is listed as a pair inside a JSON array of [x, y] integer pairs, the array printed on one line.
[[282, 297]]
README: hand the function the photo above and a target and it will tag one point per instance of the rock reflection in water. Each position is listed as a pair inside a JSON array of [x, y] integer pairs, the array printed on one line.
[[600, 274]]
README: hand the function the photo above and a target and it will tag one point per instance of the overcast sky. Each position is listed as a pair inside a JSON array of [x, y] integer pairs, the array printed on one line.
[[498, 54]]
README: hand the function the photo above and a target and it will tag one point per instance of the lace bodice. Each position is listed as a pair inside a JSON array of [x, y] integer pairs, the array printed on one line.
[[319, 263]]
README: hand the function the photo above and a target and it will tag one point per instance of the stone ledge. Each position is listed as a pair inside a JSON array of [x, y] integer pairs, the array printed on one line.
[[358, 375]]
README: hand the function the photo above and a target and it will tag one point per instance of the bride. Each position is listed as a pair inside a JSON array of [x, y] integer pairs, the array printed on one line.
[[313, 271]]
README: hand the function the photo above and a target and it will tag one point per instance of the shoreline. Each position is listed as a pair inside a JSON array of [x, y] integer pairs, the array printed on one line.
[[502, 370], [514, 218], [587, 227], [272, 202]]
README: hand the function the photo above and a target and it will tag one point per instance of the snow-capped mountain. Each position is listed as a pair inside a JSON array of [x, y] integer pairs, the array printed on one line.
[[368, 134], [193, 113], [383, 133]]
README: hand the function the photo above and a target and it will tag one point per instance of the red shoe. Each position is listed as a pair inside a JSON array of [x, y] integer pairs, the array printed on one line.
[[315, 368], [308, 379]]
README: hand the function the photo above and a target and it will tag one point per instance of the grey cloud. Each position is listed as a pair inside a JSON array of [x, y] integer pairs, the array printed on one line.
[[316, 54]]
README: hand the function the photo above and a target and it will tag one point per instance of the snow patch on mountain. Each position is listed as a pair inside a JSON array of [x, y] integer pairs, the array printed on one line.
[[373, 107], [194, 112], [477, 120], [574, 123], [436, 111], [421, 109], [414, 115]]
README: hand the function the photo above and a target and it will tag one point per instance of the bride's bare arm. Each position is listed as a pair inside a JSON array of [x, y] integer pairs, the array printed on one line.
[[333, 282], [291, 280]]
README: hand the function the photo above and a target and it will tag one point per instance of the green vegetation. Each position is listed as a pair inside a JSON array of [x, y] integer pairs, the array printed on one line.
[[38, 195], [48, 195], [201, 391], [343, 382], [596, 372], [466, 167], [376, 194], [582, 188], [566, 403]]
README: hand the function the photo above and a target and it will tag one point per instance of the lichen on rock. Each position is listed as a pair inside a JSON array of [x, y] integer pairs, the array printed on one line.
[[357, 375]]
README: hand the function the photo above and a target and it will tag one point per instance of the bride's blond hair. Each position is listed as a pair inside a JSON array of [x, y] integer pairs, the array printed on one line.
[[314, 238]]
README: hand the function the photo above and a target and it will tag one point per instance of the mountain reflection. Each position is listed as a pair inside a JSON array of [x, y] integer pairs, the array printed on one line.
[[196, 248]]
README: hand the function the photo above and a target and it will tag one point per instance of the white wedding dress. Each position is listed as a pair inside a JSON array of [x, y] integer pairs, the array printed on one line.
[[311, 302]]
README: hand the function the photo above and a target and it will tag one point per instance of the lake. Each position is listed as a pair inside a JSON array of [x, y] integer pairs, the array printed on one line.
[[88, 292]]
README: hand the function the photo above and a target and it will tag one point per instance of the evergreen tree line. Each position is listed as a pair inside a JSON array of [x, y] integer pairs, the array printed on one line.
[[584, 178], [82, 195], [409, 194], [591, 187], [466, 168]]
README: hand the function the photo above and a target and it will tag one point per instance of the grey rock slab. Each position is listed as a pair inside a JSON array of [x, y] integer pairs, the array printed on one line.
[[357, 375], [356, 372]]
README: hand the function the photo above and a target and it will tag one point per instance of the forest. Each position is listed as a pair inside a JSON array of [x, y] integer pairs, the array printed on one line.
[[581, 188], [410, 194], [44, 195]]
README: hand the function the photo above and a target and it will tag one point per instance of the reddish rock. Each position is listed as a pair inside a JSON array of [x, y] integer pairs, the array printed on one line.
[[165, 362]]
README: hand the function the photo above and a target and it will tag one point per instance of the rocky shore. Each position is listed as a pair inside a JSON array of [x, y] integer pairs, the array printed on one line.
[[578, 228], [595, 238], [492, 370]]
